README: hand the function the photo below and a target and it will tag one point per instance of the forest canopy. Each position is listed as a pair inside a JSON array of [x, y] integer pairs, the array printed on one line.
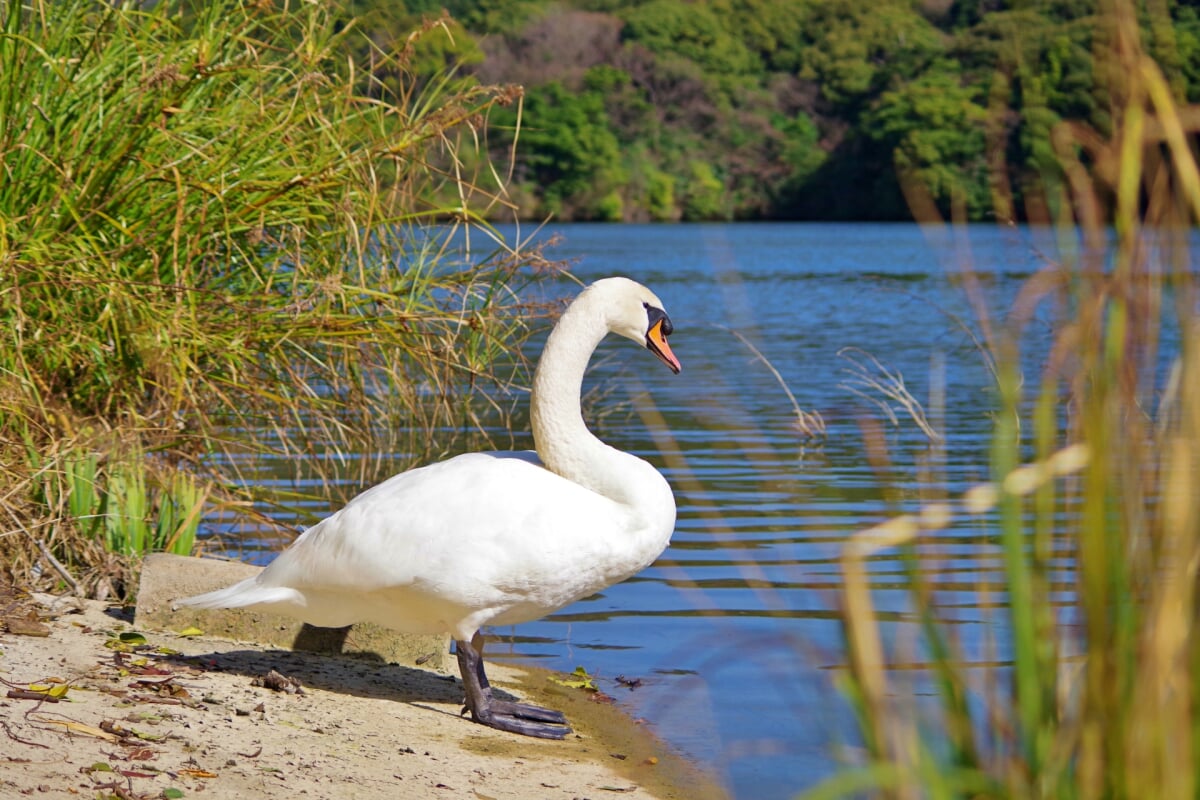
[[788, 109]]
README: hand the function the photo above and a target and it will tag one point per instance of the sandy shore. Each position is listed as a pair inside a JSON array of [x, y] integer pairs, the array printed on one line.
[[179, 716]]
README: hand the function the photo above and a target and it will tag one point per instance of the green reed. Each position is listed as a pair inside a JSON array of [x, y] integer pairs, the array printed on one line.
[[1093, 461], [215, 218], [144, 513]]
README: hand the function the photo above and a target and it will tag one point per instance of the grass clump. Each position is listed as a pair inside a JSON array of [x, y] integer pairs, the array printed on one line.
[[217, 238], [1088, 687]]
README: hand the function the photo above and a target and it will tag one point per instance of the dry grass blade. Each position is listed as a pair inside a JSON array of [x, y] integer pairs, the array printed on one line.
[[875, 383], [810, 423]]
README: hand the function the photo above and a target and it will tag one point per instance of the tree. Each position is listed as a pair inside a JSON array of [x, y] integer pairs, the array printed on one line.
[[693, 31], [805, 107], [570, 151], [861, 48], [934, 129], [704, 192], [771, 29], [801, 152], [1187, 42]]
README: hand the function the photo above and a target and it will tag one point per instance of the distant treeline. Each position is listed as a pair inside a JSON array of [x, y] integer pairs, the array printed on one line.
[[794, 109]]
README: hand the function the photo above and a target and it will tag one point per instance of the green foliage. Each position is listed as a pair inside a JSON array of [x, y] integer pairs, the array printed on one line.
[[445, 47], [691, 31], [934, 128], [771, 29], [1186, 29], [218, 218], [488, 16], [129, 201], [703, 193], [398, 53], [145, 513], [719, 82], [83, 496], [860, 48], [609, 208], [572, 151], [801, 147], [129, 503], [660, 194]]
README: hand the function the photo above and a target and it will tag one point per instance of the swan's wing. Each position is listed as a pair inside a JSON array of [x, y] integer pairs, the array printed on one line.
[[478, 520], [480, 537]]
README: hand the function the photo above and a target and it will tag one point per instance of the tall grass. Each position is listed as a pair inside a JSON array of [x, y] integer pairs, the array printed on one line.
[[1095, 463], [216, 237]]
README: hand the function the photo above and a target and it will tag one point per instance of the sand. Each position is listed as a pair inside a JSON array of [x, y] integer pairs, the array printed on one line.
[[186, 716]]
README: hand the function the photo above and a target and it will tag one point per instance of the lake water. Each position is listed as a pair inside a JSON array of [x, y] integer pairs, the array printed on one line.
[[734, 632]]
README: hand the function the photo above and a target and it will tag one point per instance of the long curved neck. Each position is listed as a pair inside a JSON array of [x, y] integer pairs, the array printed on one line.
[[562, 439]]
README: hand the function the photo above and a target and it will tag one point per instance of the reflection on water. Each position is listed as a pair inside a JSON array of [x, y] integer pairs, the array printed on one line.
[[734, 631]]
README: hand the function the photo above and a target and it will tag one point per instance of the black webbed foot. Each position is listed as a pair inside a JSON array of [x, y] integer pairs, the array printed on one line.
[[522, 718]]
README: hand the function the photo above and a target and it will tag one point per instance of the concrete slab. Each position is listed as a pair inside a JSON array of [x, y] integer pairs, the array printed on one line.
[[166, 578]]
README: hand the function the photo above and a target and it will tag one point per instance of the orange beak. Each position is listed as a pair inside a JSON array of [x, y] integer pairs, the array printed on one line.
[[656, 340]]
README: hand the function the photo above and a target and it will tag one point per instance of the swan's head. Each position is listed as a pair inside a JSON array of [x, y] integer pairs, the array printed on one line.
[[633, 311]]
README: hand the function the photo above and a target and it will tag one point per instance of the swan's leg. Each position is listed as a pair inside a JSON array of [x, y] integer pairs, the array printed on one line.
[[522, 710], [514, 717], [477, 643]]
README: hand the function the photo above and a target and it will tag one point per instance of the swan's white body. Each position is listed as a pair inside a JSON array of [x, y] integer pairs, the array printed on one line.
[[490, 538]]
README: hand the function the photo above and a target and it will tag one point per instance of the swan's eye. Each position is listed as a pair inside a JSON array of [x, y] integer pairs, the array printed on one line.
[[656, 315]]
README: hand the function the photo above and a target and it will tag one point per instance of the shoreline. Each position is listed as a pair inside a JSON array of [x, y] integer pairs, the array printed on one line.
[[182, 714]]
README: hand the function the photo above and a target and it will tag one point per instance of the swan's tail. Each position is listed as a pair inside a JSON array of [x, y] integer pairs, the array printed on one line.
[[247, 593]]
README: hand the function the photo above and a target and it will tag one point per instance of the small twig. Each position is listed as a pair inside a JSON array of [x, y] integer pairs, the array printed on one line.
[[16, 738], [116, 788], [58, 567], [26, 694], [162, 701], [46, 554]]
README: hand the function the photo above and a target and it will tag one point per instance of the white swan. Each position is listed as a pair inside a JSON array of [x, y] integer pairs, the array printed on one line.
[[491, 538]]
